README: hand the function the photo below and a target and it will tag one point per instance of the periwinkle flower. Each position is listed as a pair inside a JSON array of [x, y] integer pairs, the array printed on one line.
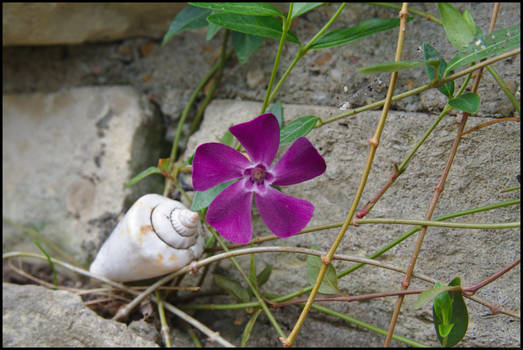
[[230, 212]]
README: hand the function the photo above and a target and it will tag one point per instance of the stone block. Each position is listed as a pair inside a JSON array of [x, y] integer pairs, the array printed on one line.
[[34, 316], [66, 158], [71, 23]]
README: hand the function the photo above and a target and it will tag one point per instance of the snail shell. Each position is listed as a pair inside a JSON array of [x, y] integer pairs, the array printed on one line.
[[157, 235]]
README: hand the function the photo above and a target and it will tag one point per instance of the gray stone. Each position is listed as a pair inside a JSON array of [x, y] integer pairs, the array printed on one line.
[[66, 158], [69, 23], [41, 317], [487, 162]]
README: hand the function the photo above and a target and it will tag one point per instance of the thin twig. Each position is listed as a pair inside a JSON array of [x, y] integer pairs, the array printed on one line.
[[373, 143], [437, 193]]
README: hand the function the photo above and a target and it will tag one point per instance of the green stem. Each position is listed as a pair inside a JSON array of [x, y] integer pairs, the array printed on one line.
[[431, 85], [34, 234], [504, 87], [437, 223], [174, 150], [285, 29], [366, 325], [263, 305], [302, 51], [163, 321]]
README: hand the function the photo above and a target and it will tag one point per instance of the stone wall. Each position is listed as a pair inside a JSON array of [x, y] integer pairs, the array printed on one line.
[[90, 98]]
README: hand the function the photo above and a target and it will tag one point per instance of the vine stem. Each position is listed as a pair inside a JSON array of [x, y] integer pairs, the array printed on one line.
[[437, 193], [373, 142], [163, 320], [301, 52], [218, 67], [431, 85], [285, 29]]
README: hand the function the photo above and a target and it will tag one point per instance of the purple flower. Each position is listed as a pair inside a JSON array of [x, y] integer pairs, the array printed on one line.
[[230, 212]]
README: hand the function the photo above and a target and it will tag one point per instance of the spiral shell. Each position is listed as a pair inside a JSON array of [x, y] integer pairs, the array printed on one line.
[[157, 235]]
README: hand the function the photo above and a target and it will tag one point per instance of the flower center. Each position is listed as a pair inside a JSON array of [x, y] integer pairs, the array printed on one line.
[[258, 175]]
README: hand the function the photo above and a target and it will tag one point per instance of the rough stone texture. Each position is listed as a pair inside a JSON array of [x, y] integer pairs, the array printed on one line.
[[168, 74], [487, 162], [61, 23], [66, 157], [41, 317]]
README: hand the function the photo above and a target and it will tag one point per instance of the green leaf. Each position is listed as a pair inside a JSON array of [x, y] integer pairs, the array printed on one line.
[[268, 27], [245, 45], [488, 45], [188, 18], [431, 53], [227, 138], [143, 174], [212, 29], [429, 295], [342, 36], [467, 102], [202, 200], [49, 260], [387, 67], [450, 305], [459, 31], [232, 287], [444, 329], [263, 276], [329, 285], [297, 128], [209, 241], [241, 8], [277, 109], [248, 328], [299, 8]]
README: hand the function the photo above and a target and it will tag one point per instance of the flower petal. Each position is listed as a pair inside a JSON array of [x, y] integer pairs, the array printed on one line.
[[230, 213], [215, 163], [284, 215], [260, 137], [301, 162]]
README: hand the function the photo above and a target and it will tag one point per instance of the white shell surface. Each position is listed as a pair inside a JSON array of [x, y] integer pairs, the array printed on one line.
[[134, 252], [177, 226]]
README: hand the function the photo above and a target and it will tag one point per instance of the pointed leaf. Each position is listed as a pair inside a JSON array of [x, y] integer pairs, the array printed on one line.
[[387, 67], [227, 138], [51, 264], [232, 287], [143, 174], [458, 30], [241, 8], [299, 8], [488, 45], [431, 53], [342, 36], [212, 29], [202, 200], [188, 18], [297, 128], [277, 109], [456, 323], [329, 285], [263, 276], [248, 328], [245, 45], [268, 27], [468, 102]]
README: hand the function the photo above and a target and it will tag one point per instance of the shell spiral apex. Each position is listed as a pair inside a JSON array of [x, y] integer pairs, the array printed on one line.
[[157, 235]]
